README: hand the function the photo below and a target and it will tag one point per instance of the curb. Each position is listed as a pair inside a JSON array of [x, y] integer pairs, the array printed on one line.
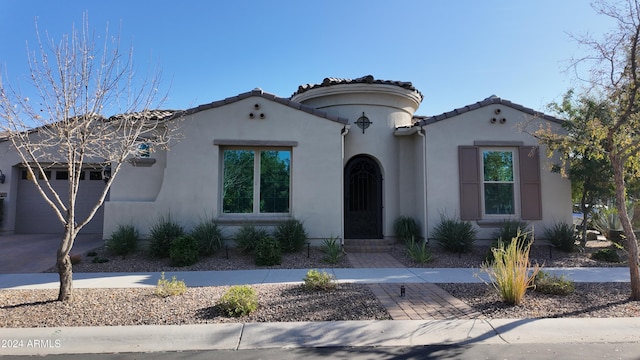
[[384, 333]]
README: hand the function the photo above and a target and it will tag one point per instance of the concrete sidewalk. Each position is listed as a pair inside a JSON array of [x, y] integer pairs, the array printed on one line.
[[278, 276]]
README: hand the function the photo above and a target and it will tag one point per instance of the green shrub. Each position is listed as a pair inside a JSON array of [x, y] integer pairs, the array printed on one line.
[[418, 251], [248, 236], [511, 229], [406, 228], [332, 250], [608, 255], [509, 273], [291, 235], [209, 237], [170, 287], [454, 235], [162, 234], [553, 284], [239, 300], [267, 252], [319, 280], [562, 236], [99, 260], [92, 254], [183, 251], [123, 241]]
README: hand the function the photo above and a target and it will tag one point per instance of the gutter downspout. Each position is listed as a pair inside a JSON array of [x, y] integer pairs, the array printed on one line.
[[422, 133], [343, 133]]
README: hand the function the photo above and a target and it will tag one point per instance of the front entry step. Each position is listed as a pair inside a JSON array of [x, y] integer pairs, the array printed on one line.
[[367, 245]]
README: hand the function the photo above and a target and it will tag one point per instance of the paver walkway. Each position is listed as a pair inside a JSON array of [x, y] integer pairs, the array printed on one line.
[[421, 301]]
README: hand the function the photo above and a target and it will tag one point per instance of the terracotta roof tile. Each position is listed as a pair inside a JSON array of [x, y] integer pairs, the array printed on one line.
[[367, 79], [491, 100]]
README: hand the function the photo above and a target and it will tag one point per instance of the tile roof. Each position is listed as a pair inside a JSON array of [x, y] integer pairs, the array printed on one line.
[[258, 92], [367, 79], [150, 114], [491, 100]]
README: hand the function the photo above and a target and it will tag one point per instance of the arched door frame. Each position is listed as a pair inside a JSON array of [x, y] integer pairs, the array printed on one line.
[[363, 198]]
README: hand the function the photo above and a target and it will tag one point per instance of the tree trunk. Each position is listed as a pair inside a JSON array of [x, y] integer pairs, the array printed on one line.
[[64, 266], [632, 242]]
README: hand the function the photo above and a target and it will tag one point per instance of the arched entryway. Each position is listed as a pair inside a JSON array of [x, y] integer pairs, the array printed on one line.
[[363, 199]]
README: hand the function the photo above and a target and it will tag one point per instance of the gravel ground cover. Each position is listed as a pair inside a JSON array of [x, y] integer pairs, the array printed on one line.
[[93, 307], [111, 307]]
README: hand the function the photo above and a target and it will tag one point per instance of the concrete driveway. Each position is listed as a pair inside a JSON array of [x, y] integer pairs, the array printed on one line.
[[34, 253]]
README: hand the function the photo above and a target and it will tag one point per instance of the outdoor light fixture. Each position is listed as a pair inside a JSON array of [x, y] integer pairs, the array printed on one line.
[[402, 290], [2, 177]]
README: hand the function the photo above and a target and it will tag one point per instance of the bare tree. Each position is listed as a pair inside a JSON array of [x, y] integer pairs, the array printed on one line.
[[613, 67], [75, 81]]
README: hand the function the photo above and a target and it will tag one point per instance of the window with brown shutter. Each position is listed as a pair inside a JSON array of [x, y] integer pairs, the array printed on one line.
[[526, 185]]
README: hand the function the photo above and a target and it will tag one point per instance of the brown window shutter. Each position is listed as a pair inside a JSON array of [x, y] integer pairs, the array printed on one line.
[[530, 193], [469, 172]]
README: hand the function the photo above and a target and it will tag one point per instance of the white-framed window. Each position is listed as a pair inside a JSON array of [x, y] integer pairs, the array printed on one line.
[[499, 167], [256, 180]]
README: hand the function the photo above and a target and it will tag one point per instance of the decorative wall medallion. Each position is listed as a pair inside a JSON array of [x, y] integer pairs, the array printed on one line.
[[363, 122]]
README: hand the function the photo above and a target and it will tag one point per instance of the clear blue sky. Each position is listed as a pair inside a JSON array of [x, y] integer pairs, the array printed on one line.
[[456, 52]]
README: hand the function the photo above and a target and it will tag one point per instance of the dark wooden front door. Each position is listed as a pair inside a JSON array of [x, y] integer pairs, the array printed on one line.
[[363, 199]]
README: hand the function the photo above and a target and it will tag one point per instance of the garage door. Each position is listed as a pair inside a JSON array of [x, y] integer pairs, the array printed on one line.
[[35, 216]]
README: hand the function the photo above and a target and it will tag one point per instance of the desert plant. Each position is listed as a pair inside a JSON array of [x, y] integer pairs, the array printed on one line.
[[509, 273], [239, 300], [267, 252], [123, 241], [454, 235], [99, 260], [608, 255], [332, 250], [607, 222], [162, 233], [318, 280], [291, 235], [209, 237], [562, 236], [418, 251], [553, 284], [511, 229], [248, 236], [183, 251], [406, 228], [171, 287]]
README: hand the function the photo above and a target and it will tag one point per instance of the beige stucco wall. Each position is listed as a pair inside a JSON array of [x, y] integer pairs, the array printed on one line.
[[186, 181], [387, 107], [443, 139]]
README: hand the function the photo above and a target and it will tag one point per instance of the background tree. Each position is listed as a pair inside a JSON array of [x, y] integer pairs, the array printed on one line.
[[75, 82], [614, 76], [589, 171]]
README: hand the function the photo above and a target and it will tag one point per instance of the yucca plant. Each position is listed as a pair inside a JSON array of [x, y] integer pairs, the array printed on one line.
[[332, 250], [209, 237], [510, 273], [454, 235], [418, 251], [291, 235], [406, 228], [562, 236]]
